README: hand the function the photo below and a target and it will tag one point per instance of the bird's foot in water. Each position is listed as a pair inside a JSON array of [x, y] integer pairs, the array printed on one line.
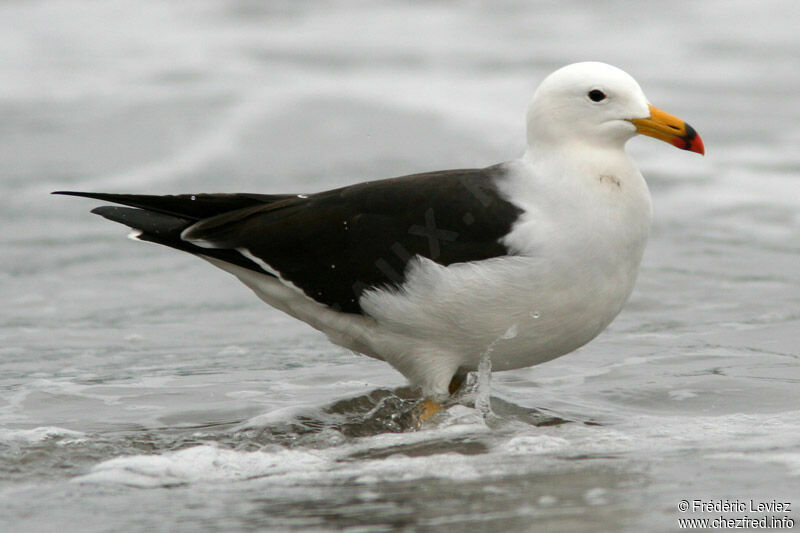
[[426, 409], [419, 414]]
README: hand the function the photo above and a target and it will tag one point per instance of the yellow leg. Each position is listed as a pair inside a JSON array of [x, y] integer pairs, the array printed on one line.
[[427, 409]]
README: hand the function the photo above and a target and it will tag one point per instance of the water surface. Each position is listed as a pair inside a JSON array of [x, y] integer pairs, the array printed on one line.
[[142, 390]]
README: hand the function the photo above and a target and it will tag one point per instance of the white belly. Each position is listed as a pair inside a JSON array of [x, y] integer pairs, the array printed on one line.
[[528, 309]]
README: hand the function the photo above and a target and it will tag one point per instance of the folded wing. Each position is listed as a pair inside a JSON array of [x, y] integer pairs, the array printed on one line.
[[332, 245]]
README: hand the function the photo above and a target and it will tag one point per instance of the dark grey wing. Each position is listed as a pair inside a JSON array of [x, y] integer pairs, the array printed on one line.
[[333, 245], [336, 244]]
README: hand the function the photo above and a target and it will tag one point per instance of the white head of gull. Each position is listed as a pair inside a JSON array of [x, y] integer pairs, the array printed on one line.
[[598, 105]]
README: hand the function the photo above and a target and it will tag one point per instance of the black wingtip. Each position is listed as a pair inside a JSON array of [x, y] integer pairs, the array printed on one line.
[[105, 210], [81, 194], [157, 224]]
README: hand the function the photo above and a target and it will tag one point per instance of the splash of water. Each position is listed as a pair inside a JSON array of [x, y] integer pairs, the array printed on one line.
[[484, 382]]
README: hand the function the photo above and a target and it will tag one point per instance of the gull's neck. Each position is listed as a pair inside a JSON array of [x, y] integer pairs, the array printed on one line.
[[575, 159]]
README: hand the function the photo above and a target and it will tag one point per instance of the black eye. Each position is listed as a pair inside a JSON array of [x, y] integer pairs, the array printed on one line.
[[596, 95]]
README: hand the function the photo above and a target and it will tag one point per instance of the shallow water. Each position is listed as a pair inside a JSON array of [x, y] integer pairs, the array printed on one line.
[[142, 390]]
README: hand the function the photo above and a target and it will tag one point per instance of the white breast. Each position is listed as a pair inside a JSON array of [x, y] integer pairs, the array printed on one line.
[[578, 247]]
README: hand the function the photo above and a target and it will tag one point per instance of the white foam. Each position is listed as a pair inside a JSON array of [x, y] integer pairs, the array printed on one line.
[[790, 460], [681, 394], [245, 394], [382, 458], [736, 432], [204, 463], [37, 434], [208, 463], [535, 444]]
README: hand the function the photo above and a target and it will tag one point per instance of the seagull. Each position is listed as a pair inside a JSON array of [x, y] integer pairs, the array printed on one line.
[[520, 262]]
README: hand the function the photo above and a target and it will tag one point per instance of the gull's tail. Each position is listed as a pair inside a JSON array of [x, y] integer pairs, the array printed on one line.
[[162, 219]]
